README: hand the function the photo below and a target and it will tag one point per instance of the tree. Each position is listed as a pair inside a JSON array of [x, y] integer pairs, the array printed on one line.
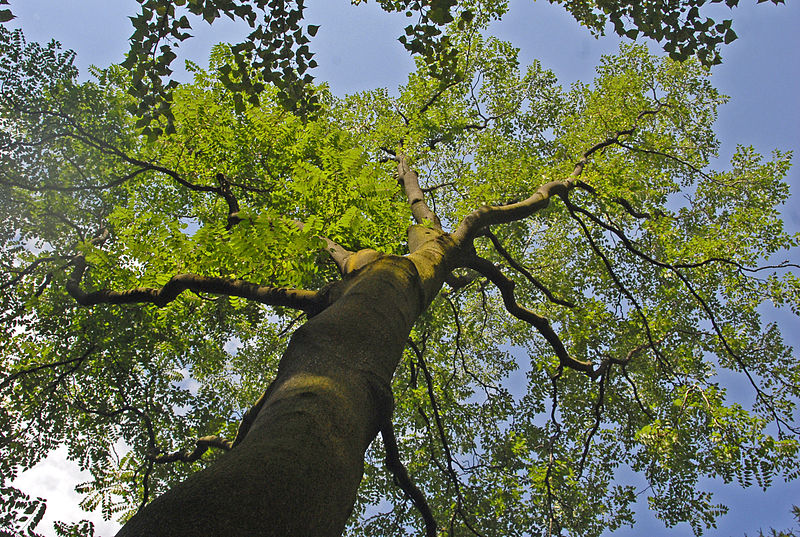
[[551, 218]]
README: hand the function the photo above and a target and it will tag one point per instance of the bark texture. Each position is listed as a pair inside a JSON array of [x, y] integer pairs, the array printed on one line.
[[297, 471]]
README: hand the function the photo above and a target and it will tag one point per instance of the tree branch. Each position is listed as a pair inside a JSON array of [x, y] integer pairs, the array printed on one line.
[[57, 188], [459, 281], [438, 93], [442, 436], [703, 304], [310, 301], [89, 139], [437, 187], [624, 290], [395, 465], [250, 416], [82, 135], [12, 377], [458, 352], [551, 451], [598, 414], [489, 215], [506, 287], [409, 179], [689, 165], [233, 204], [629, 208], [338, 253], [184, 455], [29, 270], [524, 271]]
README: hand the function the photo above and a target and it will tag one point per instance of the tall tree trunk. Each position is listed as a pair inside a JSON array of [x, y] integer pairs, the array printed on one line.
[[297, 471]]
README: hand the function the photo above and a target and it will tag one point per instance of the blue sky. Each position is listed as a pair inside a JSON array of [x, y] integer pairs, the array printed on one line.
[[357, 49]]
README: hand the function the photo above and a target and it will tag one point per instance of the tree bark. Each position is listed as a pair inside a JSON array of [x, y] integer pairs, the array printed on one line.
[[297, 471]]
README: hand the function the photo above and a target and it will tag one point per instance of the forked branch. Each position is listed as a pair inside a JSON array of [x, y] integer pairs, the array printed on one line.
[[662, 360], [489, 215], [33, 369], [516, 265], [625, 204], [339, 254], [449, 470], [710, 314], [506, 287]]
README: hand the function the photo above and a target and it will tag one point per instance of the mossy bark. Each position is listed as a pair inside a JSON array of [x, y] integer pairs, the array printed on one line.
[[297, 471]]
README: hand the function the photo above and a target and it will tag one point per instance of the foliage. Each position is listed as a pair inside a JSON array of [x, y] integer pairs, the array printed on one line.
[[277, 50], [647, 270], [21, 514], [682, 26], [782, 533]]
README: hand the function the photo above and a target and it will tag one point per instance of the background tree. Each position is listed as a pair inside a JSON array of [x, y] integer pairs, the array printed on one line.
[[631, 290]]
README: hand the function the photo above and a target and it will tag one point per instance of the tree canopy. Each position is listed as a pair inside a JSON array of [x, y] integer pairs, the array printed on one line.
[[161, 242]]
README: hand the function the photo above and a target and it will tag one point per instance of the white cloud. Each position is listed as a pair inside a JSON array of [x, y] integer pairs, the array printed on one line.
[[54, 479]]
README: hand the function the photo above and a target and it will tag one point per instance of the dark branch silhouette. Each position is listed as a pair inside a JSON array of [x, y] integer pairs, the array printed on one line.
[[185, 455], [506, 287], [516, 265], [310, 301], [630, 246], [403, 480]]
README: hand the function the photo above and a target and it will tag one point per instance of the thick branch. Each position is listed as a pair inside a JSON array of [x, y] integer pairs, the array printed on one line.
[[489, 215], [460, 281], [184, 455], [338, 253], [310, 301], [506, 287], [409, 179], [233, 204]]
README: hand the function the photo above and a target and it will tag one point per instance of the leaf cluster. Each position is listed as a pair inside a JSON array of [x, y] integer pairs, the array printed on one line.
[[647, 270]]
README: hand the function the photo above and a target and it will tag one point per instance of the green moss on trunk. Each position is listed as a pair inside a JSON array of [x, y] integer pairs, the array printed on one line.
[[298, 469]]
